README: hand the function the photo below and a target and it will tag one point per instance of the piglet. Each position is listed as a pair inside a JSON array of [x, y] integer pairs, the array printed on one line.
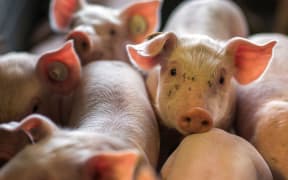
[[216, 155], [101, 32], [191, 81], [65, 154], [217, 19], [112, 99], [262, 109], [191, 71], [30, 83]]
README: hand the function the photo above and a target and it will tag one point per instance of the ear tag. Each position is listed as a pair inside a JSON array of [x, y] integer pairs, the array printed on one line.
[[137, 25], [58, 71]]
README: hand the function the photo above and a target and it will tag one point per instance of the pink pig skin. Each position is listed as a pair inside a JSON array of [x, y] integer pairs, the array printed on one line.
[[56, 39], [217, 19], [262, 109], [192, 76], [112, 99], [101, 32], [28, 83], [74, 154], [216, 155], [110, 111]]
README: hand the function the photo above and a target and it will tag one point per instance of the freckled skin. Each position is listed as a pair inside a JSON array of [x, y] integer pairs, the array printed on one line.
[[199, 61], [194, 90]]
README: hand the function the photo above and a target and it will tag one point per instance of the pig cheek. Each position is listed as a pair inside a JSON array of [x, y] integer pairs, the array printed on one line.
[[220, 104], [170, 103]]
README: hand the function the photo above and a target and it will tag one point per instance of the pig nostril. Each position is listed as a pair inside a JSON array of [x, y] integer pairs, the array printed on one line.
[[84, 45], [188, 119], [205, 123]]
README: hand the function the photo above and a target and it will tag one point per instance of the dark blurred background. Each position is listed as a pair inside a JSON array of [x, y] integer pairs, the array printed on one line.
[[22, 20]]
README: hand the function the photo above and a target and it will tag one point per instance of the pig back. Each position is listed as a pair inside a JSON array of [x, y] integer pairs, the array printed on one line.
[[112, 99], [219, 19]]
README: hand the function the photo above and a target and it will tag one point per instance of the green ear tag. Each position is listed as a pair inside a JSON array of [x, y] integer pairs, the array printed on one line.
[[137, 25]]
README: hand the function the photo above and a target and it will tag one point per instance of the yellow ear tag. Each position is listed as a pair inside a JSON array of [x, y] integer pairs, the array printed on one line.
[[137, 25]]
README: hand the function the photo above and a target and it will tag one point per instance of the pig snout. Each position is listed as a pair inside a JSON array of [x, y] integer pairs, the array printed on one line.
[[81, 40], [86, 45], [196, 120]]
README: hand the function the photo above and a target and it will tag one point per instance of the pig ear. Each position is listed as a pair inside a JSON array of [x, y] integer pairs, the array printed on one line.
[[250, 59], [37, 126], [142, 18], [60, 70], [150, 53], [61, 13], [112, 165]]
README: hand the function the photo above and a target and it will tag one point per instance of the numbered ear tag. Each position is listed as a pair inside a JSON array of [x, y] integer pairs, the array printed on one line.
[[137, 25]]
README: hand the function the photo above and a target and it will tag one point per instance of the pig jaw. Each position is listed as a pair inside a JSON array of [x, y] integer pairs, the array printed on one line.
[[197, 83]]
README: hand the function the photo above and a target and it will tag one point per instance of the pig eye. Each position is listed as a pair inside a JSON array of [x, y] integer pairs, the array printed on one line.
[[173, 72], [222, 80]]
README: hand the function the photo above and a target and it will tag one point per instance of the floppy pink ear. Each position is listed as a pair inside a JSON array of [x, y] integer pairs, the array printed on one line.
[[61, 13], [142, 19], [111, 165], [250, 59], [60, 70], [149, 53], [37, 126]]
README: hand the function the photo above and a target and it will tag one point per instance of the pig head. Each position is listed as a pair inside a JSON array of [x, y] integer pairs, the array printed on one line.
[[192, 77], [100, 32], [31, 84], [65, 154]]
